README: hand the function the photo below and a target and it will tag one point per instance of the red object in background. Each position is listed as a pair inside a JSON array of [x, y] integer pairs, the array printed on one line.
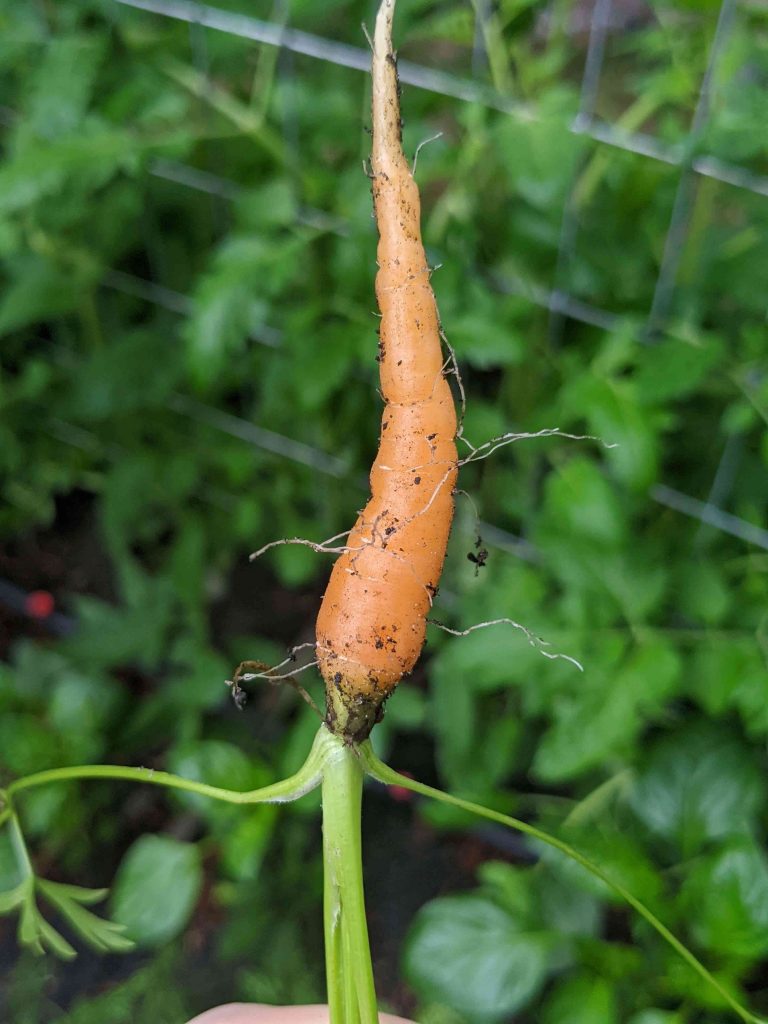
[[400, 793], [39, 604]]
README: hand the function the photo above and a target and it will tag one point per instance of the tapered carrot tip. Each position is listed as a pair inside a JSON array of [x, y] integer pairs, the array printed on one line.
[[372, 621]]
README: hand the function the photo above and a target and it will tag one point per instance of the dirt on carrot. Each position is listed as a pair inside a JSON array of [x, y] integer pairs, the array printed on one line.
[[372, 621]]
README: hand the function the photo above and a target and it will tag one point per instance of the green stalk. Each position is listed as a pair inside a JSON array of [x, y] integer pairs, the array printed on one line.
[[351, 1002], [305, 779], [351, 991], [334, 950]]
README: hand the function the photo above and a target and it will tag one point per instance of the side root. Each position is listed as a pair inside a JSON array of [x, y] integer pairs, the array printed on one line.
[[247, 671], [421, 145], [322, 548], [484, 450], [533, 640]]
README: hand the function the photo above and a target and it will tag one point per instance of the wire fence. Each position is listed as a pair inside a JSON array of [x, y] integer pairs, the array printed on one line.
[[560, 304]]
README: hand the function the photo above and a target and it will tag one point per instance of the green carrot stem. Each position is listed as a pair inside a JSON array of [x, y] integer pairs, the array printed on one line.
[[351, 991], [303, 781]]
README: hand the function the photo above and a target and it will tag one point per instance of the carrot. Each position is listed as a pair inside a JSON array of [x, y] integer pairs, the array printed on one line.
[[372, 621]]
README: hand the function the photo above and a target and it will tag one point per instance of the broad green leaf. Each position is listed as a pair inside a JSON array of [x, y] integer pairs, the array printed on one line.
[[295, 564], [80, 708], [729, 674], [35, 670], [219, 764], [307, 338], [607, 712], [726, 899], [471, 954], [245, 844], [200, 684], [43, 169], [455, 719], [136, 632], [113, 380], [703, 593], [564, 908], [272, 205], [227, 309], [61, 84], [408, 711], [583, 503], [512, 888], [584, 999], [25, 744], [482, 334], [674, 369], [698, 783], [38, 290], [45, 809], [618, 854], [538, 155], [614, 413], [156, 887]]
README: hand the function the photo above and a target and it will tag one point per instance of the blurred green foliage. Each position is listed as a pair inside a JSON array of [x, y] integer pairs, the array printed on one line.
[[148, 326]]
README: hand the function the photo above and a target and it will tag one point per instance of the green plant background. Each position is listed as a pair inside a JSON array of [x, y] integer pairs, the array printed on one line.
[[148, 326]]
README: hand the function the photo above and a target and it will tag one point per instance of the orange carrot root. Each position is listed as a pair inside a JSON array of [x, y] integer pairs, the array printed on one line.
[[372, 621]]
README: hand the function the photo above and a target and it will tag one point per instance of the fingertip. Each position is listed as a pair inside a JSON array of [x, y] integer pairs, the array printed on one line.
[[256, 1013]]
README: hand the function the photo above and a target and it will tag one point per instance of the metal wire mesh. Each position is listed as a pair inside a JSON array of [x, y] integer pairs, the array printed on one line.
[[446, 84], [560, 304]]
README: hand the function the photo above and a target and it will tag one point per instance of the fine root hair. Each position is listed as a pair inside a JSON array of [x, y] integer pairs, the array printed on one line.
[[534, 640]]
